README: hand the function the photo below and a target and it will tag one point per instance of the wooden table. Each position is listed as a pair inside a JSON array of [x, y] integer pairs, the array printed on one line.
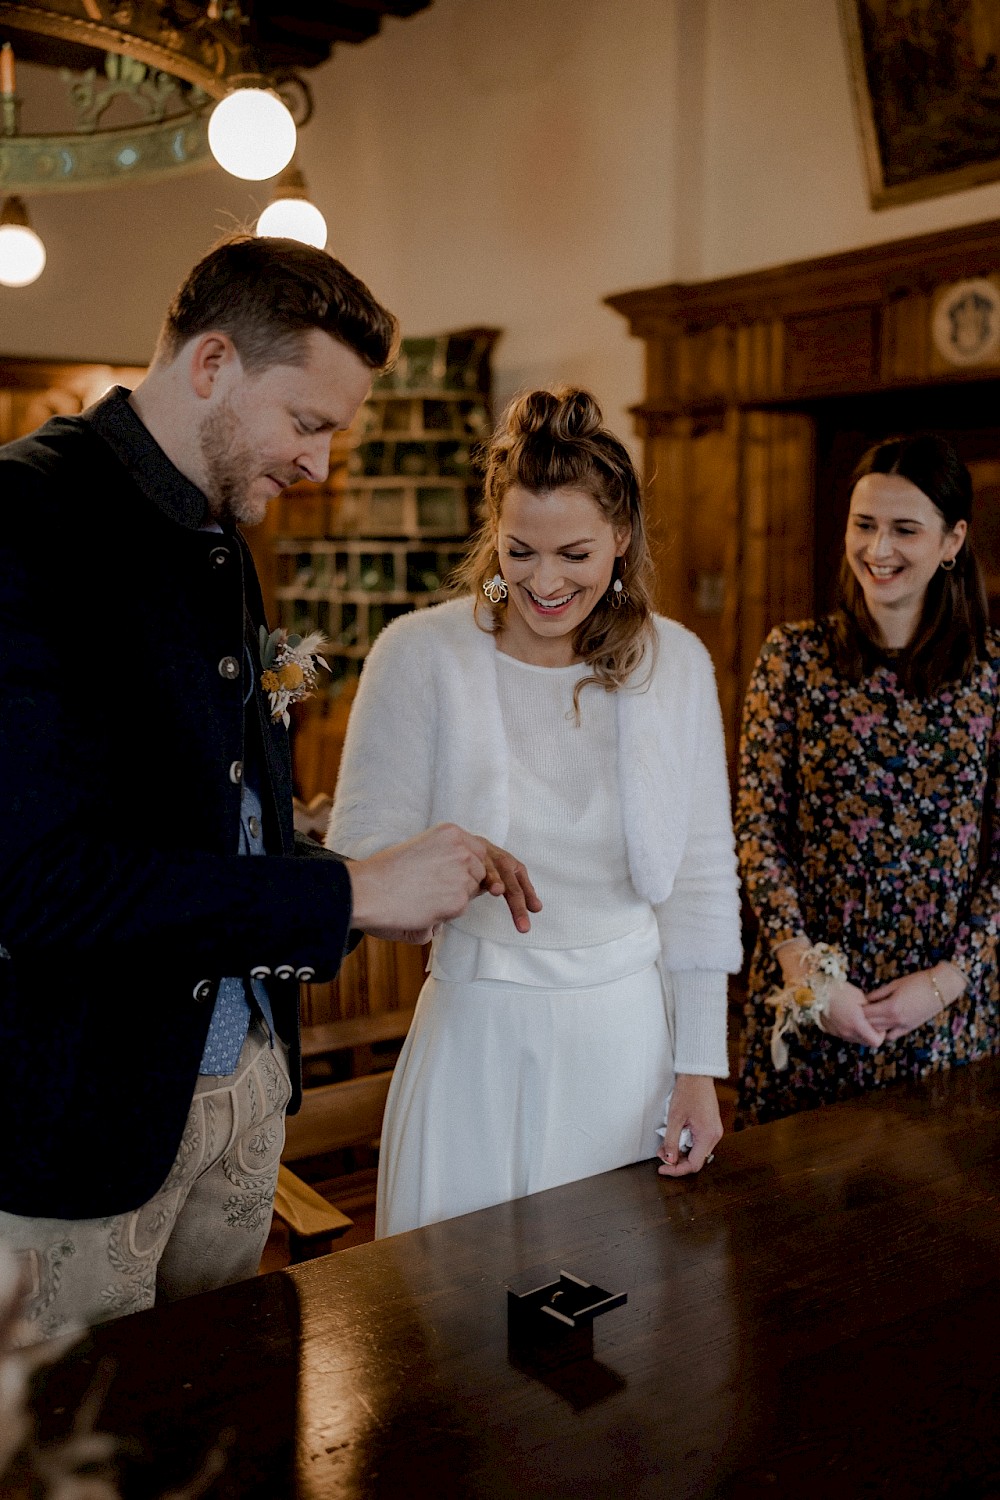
[[815, 1316]]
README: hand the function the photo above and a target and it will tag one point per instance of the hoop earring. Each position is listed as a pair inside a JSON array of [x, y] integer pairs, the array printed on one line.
[[617, 594], [947, 563], [495, 589]]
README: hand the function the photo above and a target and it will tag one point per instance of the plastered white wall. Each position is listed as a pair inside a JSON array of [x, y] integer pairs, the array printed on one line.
[[510, 164], [505, 162]]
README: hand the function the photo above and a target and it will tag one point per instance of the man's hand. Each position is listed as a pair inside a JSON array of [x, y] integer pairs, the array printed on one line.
[[507, 877], [695, 1104], [406, 891]]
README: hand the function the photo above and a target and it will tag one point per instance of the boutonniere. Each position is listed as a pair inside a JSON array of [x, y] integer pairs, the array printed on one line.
[[290, 664]]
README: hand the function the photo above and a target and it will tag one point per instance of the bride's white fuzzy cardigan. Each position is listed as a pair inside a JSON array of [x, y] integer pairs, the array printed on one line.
[[426, 745]]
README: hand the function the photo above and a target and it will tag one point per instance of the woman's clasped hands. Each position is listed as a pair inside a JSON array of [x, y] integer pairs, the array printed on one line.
[[906, 1003], [887, 1012]]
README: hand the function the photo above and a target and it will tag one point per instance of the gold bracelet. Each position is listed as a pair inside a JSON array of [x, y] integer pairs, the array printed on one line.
[[937, 990]]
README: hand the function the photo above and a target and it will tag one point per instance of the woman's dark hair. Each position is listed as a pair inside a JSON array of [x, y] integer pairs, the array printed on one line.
[[952, 629]]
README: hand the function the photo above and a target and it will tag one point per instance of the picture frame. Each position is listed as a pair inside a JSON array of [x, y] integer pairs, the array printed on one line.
[[926, 85]]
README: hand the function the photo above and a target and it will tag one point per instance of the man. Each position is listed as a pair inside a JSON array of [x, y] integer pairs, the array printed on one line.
[[149, 968]]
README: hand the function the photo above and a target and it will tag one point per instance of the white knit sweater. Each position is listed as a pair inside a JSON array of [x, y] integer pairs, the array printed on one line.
[[565, 815], [426, 744]]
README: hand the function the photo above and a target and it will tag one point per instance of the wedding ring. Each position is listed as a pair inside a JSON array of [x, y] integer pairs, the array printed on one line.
[[709, 1158]]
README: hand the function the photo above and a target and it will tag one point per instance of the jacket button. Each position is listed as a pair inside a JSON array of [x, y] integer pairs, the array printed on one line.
[[253, 823], [305, 974], [202, 991], [236, 772], [260, 971], [284, 971], [229, 668], [218, 557]]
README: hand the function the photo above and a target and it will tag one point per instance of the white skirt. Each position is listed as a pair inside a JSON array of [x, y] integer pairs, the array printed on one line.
[[505, 1089]]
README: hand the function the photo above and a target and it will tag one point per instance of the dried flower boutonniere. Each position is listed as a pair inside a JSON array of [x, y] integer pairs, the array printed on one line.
[[290, 664]]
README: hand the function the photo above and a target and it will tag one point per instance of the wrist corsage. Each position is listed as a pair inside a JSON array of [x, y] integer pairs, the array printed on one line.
[[290, 664], [805, 1003]]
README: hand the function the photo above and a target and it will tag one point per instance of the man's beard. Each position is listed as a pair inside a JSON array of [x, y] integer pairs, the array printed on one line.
[[230, 468]]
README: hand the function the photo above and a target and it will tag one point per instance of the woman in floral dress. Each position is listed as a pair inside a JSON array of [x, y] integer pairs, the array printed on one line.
[[867, 802]]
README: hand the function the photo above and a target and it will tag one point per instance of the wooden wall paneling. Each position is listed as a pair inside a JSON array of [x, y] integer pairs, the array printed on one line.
[[377, 977], [906, 340], [759, 361], [706, 366], [777, 483], [693, 516], [755, 560], [834, 351], [713, 543], [661, 368], [666, 512]]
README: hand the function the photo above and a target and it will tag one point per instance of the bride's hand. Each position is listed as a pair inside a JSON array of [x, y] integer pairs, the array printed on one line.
[[696, 1105]]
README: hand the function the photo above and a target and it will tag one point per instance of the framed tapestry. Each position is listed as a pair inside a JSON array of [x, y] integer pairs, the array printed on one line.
[[926, 81]]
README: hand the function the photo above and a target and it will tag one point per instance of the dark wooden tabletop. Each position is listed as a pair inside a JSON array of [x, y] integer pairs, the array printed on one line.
[[816, 1316]]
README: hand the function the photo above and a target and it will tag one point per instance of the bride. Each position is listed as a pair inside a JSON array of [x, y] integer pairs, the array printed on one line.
[[550, 710]]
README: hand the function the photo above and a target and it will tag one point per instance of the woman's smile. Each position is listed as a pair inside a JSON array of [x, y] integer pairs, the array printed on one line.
[[896, 540], [557, 552], [882, 571], [550, 606]]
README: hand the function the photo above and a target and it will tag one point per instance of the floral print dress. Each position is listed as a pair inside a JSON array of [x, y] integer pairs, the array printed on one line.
[[867, 819]]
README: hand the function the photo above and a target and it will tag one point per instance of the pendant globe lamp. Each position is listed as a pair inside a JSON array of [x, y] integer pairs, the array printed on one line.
[[290, 215], [22, 254], [251, 132]]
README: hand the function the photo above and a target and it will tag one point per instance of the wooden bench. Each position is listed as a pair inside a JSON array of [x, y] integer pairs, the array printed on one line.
[[335, 1116], [313, 1223]]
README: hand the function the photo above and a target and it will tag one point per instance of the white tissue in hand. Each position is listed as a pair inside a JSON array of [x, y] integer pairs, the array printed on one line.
[[686, 1138]]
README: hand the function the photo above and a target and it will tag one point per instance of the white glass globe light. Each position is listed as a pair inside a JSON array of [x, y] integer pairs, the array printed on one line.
[[252, 134], [22, 255], [294, 219]]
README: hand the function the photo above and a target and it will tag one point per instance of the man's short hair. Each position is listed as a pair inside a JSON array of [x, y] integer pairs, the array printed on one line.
[[267, 293]]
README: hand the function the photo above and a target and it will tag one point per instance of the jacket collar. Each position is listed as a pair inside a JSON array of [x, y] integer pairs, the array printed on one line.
[[115, 421]]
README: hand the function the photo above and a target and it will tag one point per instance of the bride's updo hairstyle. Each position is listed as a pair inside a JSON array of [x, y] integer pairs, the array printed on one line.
[[550, 440]]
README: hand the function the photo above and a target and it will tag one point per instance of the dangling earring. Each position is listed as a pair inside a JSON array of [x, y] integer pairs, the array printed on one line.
[[947, 563], [495, 589], [617, 594]]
